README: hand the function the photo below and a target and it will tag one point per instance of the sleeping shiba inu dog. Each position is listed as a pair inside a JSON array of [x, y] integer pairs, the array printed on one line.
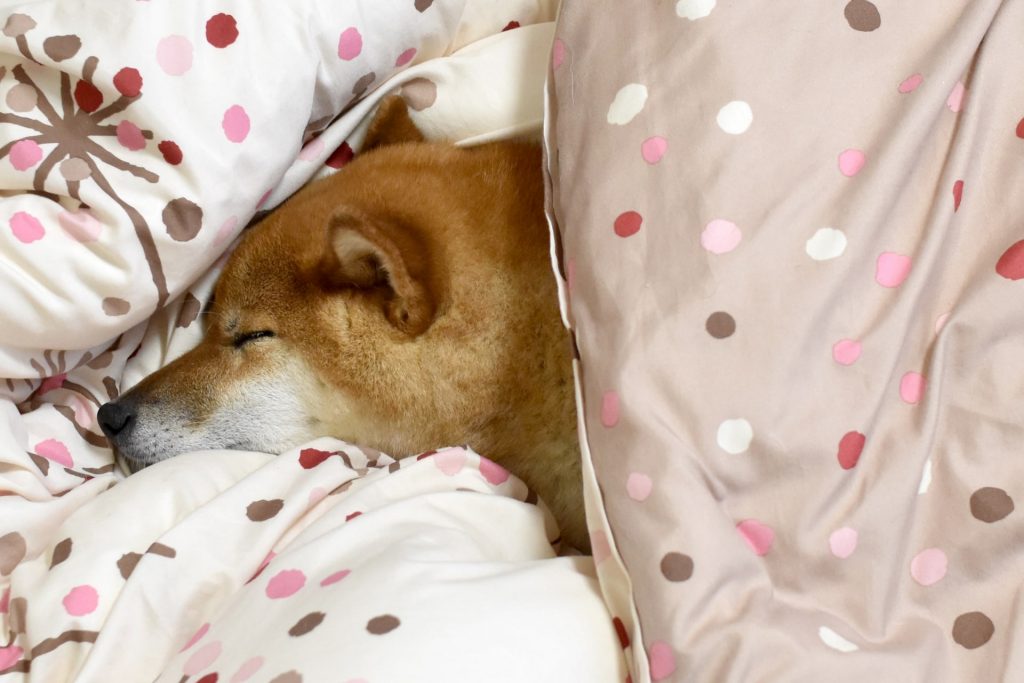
[[404, 303]]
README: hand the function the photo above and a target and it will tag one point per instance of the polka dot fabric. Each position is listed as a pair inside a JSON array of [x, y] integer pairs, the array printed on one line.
[[798, 318]]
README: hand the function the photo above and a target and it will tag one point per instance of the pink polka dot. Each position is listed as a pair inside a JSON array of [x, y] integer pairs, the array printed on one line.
[[720, 236], [235, 123], [81, 600], [202, 658], [26, 227], [494, 473], [450, 461], [264, 198], [955, 101], [940, 322], [130, 136], [758, 536], [628, 223], [892, 269], [610, 409], [80, 225], [225, 232], [174, 55], [599, 546], [653, 149], [9, 656], [285, 583], [846, 351], [662, 660], [316, 495], [843, 542], [335, 577], [851, 161], [312, 149], [247, 670], [25, 154], [405, 57], [958, 194], [350, 44], [929, 566], [54, 450], [910, 83], [639, 486], [912, 387], [557, 53], [196, 637]]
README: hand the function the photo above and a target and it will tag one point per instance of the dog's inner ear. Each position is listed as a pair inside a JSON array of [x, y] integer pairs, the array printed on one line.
[[391, 125], [366, 256]]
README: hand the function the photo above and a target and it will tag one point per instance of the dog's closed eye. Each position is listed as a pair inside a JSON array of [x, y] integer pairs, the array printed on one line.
[[241, 340]]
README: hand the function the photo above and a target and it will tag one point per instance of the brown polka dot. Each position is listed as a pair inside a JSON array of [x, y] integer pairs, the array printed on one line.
[[677, 566], [59, 48], [74, 169], [973, 629], [113, 306], [17, 611], [161, 550], [306, 624], [126, 565], [620, 631], [990, 504], [385, 623], [18, 25], [287, 677], [22, 98], [363, 84], [61, 552], [862, 15], [262, 510], [720, 325], [419, 93], [183, 219], [423, 5], [42, 463], [12, 551], [189, 310]]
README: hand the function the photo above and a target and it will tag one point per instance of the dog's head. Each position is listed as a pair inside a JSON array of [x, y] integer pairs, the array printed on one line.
[[324, 321]]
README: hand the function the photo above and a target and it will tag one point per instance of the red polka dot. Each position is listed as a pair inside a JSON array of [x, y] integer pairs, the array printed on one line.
[[958, 194], [128, 82], [171, 151], [1011, 263], [340, 156], [620, 631], [350, 517], [850, 448], [221, 30], [1020, 129], [511, 25], [311, 457], [628, 223], [209, 678], [88, 97]]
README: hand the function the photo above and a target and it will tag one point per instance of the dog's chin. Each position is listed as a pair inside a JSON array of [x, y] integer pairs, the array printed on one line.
[[130, 465]]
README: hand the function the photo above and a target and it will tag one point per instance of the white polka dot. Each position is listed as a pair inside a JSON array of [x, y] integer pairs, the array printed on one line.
[[835, 641], [826, 244], [628, 102], [734, 436], [735, 118], [694, 9]]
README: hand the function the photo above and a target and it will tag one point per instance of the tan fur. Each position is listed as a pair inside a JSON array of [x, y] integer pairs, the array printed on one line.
[[414, 307]]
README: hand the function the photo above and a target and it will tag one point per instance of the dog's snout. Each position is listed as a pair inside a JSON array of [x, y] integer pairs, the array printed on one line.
[[115, 417]]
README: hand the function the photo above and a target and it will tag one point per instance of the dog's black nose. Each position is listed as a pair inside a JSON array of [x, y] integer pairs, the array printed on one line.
[[115, 417]]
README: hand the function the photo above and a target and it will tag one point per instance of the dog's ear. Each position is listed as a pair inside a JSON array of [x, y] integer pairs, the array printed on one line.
[[364, 255], [391, 125]]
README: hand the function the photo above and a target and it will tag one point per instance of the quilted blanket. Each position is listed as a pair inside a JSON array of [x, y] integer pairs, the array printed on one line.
[[137, 140], [792, 243]]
